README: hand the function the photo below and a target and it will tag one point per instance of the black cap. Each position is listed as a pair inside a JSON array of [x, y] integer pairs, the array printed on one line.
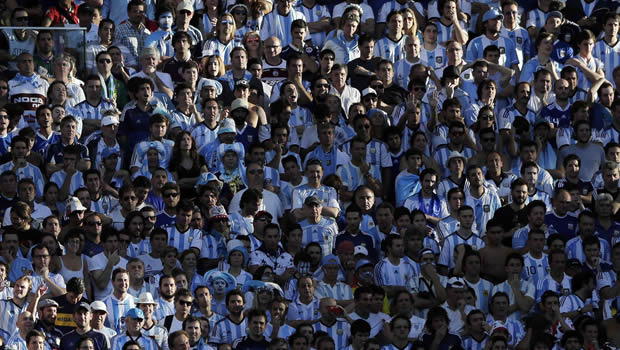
[[451, 72]]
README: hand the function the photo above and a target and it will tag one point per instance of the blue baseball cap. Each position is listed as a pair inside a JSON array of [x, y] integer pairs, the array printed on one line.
[[135, 313], [492, 14]]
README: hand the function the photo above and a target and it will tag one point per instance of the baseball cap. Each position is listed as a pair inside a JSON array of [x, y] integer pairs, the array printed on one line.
[[135, 313], [242, 82], [312, 200], [227, 125], [330, 259], [82, 305], [369, 91], [239, 103], [109, 120], [451, 71], [455, 282], [217, 212], [360, 250], [185, 5], [361, 263], [557, 14], [492, 14], [98, 306]]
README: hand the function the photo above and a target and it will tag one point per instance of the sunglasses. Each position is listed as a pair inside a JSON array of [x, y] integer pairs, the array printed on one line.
[[171, 194], [253, 40], [377, 87], [227, 22], [185, 303], [105, 60]]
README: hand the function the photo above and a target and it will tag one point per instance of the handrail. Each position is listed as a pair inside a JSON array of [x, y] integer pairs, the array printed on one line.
[[46, 28]]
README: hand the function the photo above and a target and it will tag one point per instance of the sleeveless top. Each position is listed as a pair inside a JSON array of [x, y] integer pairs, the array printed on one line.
[[67, 274]]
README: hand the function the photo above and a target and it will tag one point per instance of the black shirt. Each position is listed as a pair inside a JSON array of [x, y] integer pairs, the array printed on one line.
[[246, 343]]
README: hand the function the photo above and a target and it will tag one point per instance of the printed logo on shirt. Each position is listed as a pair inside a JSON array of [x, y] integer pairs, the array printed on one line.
[[502, 50], [519, 40], [439, 59], [486, 208]]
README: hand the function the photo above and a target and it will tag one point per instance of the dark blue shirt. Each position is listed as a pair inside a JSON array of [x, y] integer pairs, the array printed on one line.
[[70, 340], [55, 150]]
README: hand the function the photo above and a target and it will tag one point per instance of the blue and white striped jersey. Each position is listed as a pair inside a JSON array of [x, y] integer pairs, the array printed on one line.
[[10, 313], [136, 249], [609, 55], [203, 135], [387, 274], [574, 249], [210, 246], [526, 287], [434, 206], [226, 331], [117, 310], [446, 257], [29, 171], [87, 111], [218, 48], [339, 331], [146, 342], [324, 232], [444, 32], [572, 302], [534, 269], [507, 117], [274, 24], [164, 308], [326, 194], [389, 49], [182, 240], [532, 66], [104, 205], [182, 121], [435, 58], [515, 329], [340, 291], [314, 14], [298, 311], [508, 52], [352, 176], [536, 18], [548, 283], [443, 152], [483, 291], [77, 180], [470, 343], [484, 207], [594, 64], [521, 38]]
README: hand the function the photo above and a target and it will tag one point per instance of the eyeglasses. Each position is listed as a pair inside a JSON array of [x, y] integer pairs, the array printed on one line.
[[227, 22], [379, 87], [4, 116], [171, 194], [255, 171], [21, 19], [94, 223], [185, 303], [105, 60], [186, 12], [253, 40]]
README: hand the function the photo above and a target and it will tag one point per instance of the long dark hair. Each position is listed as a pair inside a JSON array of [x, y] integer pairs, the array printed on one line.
[[175, 160]]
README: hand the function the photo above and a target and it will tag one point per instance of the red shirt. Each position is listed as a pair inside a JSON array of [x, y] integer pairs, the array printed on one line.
[[58, 19]]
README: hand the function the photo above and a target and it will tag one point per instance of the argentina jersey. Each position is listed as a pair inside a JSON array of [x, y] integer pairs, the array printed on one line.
[[314, 14], [87, 111], [391, 50], [574, 249], [508, 115], [444, 32], [507, 50], [593, 64], [217, 48], [526, 288], [446, 257], [609, 55], [226, 331], [339, 331], [483, 290], [117, 310], [204, 135], [181, 240], [435, 58], [28, 172], [403, 274], [548, 283], [535, 269], [521, 38], [324, 233]]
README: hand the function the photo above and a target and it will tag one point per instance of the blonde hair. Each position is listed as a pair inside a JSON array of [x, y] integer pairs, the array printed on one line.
[[219, 22], [412, 32], [222, 68]]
